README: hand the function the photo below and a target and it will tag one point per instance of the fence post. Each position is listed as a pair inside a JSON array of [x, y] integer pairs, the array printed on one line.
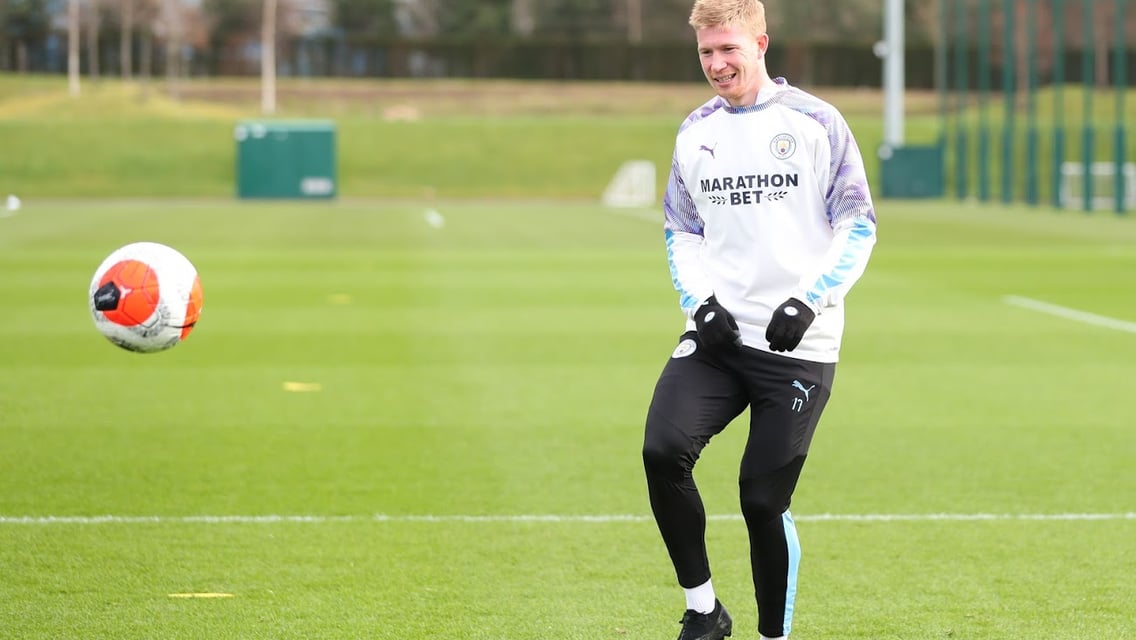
[[962, 85], [1009, 64], [1088, 83], [1058, 98], [1121, 81], [983, 100], [1032, 159]]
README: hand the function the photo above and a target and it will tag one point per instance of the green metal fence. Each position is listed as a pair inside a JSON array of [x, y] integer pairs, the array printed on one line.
[[1007, 113]]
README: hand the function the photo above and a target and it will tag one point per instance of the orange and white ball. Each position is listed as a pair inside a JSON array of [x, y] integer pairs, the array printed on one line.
[[146, 297]]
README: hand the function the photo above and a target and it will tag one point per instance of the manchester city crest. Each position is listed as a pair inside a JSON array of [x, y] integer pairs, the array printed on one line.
[[684, 349], [783, 146]]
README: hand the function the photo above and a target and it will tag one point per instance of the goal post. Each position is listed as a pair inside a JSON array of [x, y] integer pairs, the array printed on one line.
[[633, 186], [1102, 182]]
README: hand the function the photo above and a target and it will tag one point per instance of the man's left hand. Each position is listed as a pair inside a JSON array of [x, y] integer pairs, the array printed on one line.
[[788, 325]]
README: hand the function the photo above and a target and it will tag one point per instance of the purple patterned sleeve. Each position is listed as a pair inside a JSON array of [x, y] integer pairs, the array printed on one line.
[[678, 207], [683, 227], [848, 205], [848, 196], [848, 193]]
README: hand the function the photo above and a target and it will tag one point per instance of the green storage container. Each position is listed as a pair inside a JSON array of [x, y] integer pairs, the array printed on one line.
[[912, 171], [286, 159]]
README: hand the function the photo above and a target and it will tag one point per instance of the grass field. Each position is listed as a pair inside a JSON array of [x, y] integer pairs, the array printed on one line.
[[395, 138], [458, 454]]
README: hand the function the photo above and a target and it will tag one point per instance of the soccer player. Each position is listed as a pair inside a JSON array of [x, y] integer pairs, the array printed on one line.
[[769, 223]]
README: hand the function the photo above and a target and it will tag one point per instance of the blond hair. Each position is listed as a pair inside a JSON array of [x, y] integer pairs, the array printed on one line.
[[745, 14]]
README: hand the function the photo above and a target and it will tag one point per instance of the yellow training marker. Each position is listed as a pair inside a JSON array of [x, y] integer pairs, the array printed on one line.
[[201, 595], [302, 387]]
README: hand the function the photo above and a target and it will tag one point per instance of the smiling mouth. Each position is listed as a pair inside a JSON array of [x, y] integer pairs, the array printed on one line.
[[725, 79]]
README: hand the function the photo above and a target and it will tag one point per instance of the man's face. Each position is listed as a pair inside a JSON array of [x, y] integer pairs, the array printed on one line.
[[732, 60]]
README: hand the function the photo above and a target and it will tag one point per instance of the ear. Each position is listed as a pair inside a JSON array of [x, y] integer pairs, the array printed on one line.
[[762, 45]]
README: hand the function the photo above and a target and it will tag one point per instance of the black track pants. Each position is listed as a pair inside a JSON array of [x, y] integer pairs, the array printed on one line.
[[700, 392]]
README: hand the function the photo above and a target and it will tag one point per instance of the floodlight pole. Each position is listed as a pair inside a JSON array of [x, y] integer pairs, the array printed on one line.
[[894, 84]]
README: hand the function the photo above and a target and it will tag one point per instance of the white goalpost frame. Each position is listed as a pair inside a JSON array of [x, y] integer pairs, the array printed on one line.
[[633, 186], [1072, 187]]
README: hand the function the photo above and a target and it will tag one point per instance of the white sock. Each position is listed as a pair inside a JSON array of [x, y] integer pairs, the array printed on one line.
[[700, 598]]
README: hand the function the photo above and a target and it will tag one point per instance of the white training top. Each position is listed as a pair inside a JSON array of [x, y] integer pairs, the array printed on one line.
[[768, 202]]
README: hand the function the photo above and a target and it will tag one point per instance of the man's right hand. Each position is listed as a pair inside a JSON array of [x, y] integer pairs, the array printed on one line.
[[716, 327]]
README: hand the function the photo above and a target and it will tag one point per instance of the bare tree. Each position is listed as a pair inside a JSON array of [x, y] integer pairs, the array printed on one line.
[[169, 27], [417, 18], [26, 26], [173, 45], [126, 40], [635, 21], [522, 18], [1104, 28], [790, 26], [73, 47], [268, 58], [147, 12], [93, 38]]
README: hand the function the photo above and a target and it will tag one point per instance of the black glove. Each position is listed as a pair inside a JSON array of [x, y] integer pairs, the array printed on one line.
[[716, 327], [788, 325]]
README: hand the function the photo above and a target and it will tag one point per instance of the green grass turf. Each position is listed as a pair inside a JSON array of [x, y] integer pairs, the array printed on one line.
[[464, 139], [500, 366], [456, 138]]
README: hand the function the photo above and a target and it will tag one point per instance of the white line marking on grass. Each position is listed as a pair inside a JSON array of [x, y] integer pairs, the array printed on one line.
[[552, 518], [1071, 314], [961, 517]]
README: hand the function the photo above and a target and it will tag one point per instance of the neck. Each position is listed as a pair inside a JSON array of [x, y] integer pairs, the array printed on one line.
[[763, 82]]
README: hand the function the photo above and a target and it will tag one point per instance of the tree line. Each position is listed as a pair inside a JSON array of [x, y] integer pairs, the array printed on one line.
[[128, 37]]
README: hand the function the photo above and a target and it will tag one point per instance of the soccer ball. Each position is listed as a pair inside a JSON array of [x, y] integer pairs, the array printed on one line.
[[145, 297]]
